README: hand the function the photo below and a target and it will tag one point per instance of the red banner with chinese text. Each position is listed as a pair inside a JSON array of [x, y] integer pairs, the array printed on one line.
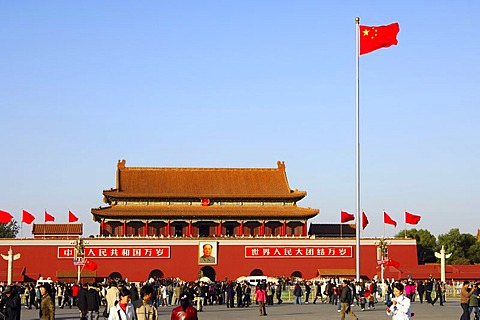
[[298, 252], [117, 252]]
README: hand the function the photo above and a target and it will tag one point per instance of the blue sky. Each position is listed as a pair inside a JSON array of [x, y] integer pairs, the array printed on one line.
[[242, 84]]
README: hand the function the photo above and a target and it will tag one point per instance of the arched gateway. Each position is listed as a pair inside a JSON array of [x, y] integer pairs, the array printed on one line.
[[155, 274], [209, 272]]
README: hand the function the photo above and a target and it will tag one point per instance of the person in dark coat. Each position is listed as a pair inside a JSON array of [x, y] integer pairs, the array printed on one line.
[[420, 290], [230, 295], [428, 290], [82, 301], [239, 294], [134, 291], [93, 301], [47, 307], [298, 293], [12, 304], [32, 301]]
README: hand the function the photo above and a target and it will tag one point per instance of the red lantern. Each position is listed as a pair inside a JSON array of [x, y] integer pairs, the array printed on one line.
[[205, 202]]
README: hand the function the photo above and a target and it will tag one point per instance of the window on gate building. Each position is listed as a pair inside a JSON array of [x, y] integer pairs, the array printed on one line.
[[204, 231], [179, 231], [229, 230]]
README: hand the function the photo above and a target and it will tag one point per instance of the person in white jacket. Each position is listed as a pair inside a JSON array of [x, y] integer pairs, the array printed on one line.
[[400, 305], [123, 309]]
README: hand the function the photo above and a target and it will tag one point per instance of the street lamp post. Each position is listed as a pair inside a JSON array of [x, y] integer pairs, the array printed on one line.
[[382, 254], [79, 255]]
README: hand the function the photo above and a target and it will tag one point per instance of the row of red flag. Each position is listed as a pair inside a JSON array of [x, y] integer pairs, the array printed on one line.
[[410, 218], [28, 218]]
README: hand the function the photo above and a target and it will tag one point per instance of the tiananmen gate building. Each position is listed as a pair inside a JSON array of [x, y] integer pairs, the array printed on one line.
[[218, 222]]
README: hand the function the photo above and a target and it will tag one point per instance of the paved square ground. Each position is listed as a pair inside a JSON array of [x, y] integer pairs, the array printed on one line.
[[451, 310]]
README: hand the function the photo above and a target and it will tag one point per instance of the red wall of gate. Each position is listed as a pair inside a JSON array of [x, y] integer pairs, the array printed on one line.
[[41, 258]]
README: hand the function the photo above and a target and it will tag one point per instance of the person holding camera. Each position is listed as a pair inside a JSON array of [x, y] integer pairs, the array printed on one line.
[[11, 304], [399, 307], [465, 294]]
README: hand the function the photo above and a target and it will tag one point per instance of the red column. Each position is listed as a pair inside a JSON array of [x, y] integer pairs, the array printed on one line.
[[219, 228], [190, 228], [284, 228], [102, 226], [124, 227], [305, 229], [262, 229], [241, 228], [167, 233], [146, 228]]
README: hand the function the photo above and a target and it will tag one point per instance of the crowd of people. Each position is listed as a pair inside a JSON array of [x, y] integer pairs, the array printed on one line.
[[122, 300]]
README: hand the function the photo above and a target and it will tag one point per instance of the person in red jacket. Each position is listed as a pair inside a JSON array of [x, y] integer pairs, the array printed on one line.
[[261, 297], [75, 291], [185, 311]]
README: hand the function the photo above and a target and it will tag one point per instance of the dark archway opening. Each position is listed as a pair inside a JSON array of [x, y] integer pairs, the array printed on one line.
[[256, 272], [116, 276], [296, 274], [209, 272], [155, 274]]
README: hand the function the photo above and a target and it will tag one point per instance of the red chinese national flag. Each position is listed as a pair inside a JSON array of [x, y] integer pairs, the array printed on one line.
[[27, 217], [90, 265], [5, 217], [345, 216], [364, 220], [49, 217], [72, 217], [373, 38], [411, 218], [393, 263], [388, 220]]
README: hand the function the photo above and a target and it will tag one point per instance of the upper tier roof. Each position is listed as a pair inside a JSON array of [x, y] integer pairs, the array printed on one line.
[[219, 183]]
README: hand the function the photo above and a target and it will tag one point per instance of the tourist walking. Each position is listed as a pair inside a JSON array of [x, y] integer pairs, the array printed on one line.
[[124, 309], [465, 294], [473, 302], [420, 290], [345, 299], [111, 297], [400, 308], [261, 297], [438, 293], [144, 307], [230, 291], [185, 311], [297, 292], [278, 293], [47, 307], [82, 301], [11, 303], [307, 291], [93, 302]]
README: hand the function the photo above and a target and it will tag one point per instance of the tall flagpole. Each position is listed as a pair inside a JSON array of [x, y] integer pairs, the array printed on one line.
[[357, 147], [21, 227]]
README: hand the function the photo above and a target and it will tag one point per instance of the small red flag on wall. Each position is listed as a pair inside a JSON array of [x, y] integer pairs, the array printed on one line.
[[27, 217], [388, 220], [345, 216], [5, 217], [49, 217], [411, 218], [72, 217], [364, 220]]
